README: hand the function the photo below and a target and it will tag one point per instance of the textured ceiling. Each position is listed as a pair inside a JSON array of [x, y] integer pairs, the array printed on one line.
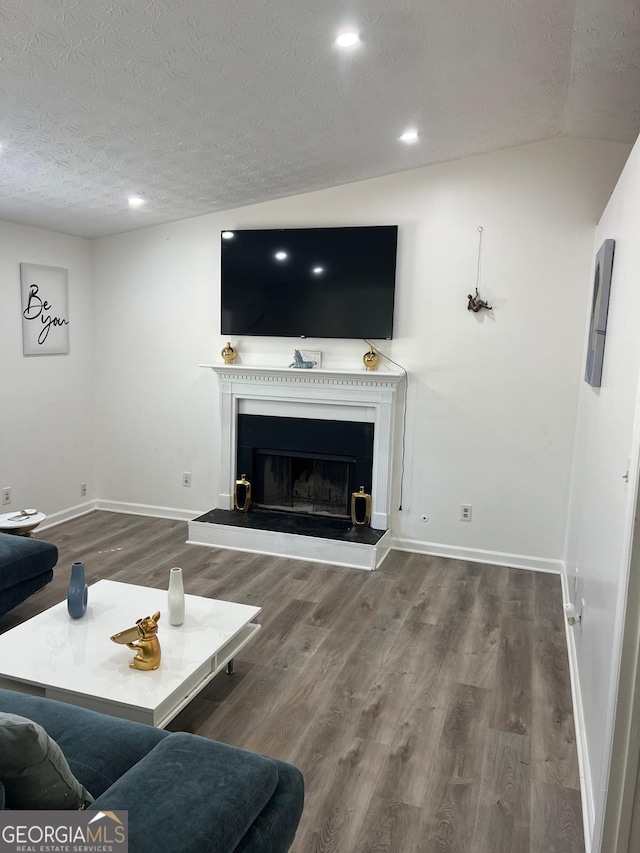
[[203, 105]]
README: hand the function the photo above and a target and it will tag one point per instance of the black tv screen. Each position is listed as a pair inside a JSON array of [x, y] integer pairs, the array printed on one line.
[[309, 282]]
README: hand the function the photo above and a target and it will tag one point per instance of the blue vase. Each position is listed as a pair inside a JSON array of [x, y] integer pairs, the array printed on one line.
[[78, 592]]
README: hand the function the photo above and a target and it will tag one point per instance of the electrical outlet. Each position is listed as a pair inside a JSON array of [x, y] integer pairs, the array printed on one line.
[[6, 495], [83, 490], [465, 512], [186, 478]]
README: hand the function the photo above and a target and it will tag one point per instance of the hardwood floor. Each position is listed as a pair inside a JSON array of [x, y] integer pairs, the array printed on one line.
[[428, 704]]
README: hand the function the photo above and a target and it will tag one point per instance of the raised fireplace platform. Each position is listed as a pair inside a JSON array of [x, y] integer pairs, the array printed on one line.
[[318, 538]]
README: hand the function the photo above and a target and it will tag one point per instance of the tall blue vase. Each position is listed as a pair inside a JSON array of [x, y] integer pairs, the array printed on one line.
[[78, 592]]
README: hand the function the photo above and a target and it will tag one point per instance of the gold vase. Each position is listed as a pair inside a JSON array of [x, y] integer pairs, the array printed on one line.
[[228, 354], [242, 494], [371, 359], [360, 508]]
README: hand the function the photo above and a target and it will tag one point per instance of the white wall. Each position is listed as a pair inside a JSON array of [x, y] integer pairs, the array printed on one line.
[[46, 402], [602, 504], [492, 398]]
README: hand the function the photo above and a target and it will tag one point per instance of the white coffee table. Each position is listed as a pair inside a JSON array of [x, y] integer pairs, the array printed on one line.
[[74, 661]]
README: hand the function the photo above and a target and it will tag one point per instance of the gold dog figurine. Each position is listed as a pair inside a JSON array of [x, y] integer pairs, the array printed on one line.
[[147, 645]]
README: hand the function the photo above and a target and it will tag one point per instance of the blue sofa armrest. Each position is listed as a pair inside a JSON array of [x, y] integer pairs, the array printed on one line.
[[194, 795], [275, 827], [26, 565], [23, 558]]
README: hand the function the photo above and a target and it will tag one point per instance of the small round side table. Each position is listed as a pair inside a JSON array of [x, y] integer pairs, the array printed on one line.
[[20, 523]]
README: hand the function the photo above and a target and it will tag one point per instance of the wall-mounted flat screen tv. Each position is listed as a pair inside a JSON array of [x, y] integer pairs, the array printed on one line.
[[309, 282]]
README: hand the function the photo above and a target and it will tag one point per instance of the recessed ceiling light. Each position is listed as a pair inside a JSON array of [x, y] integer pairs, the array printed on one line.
[[348, 38], [136, 201], [409, 136], [281, 256], [318, 270], [227, 235]]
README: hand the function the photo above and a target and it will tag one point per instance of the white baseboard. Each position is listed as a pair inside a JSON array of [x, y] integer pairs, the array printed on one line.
[[586, 786], [148, 509], [454, 552], [67, 514], [477, 555]]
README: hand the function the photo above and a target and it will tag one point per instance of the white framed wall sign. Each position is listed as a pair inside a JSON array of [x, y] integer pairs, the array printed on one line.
[[45, 310]]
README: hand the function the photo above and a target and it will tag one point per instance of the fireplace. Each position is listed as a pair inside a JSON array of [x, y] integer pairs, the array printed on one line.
[[304, 465], [306, 439]]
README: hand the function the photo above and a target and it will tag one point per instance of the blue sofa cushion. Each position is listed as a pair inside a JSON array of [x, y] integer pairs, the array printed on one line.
[[23, 558], [235, 785], [99, 748]]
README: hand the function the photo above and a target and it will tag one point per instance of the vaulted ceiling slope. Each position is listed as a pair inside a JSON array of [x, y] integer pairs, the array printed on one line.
[[199, 105]]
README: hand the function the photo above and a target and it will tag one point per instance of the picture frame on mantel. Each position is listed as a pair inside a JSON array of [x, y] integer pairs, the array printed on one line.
[[44, 309], [599, 312]]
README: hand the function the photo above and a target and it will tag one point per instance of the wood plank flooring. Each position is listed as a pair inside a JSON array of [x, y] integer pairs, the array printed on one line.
[[428, 704]]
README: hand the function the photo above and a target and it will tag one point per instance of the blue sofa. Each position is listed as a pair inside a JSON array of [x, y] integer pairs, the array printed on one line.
[[184, 793], [26, 565]]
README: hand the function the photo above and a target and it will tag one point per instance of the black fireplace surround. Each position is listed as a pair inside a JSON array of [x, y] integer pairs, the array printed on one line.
[[304, 465]]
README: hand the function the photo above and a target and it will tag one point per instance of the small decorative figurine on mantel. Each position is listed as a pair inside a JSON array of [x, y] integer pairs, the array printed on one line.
[[299, 361], [228, 354], [371, 359], [147, 647]]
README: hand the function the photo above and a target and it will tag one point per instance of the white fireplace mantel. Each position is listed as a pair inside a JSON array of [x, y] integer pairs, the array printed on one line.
[[336, 394], [315, 376]]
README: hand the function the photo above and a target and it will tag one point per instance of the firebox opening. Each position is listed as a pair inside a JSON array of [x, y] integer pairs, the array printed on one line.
[[303, 482], [304, 466]]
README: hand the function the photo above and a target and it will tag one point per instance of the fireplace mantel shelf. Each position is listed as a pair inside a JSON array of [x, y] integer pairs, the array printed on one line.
[[315, 376]]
